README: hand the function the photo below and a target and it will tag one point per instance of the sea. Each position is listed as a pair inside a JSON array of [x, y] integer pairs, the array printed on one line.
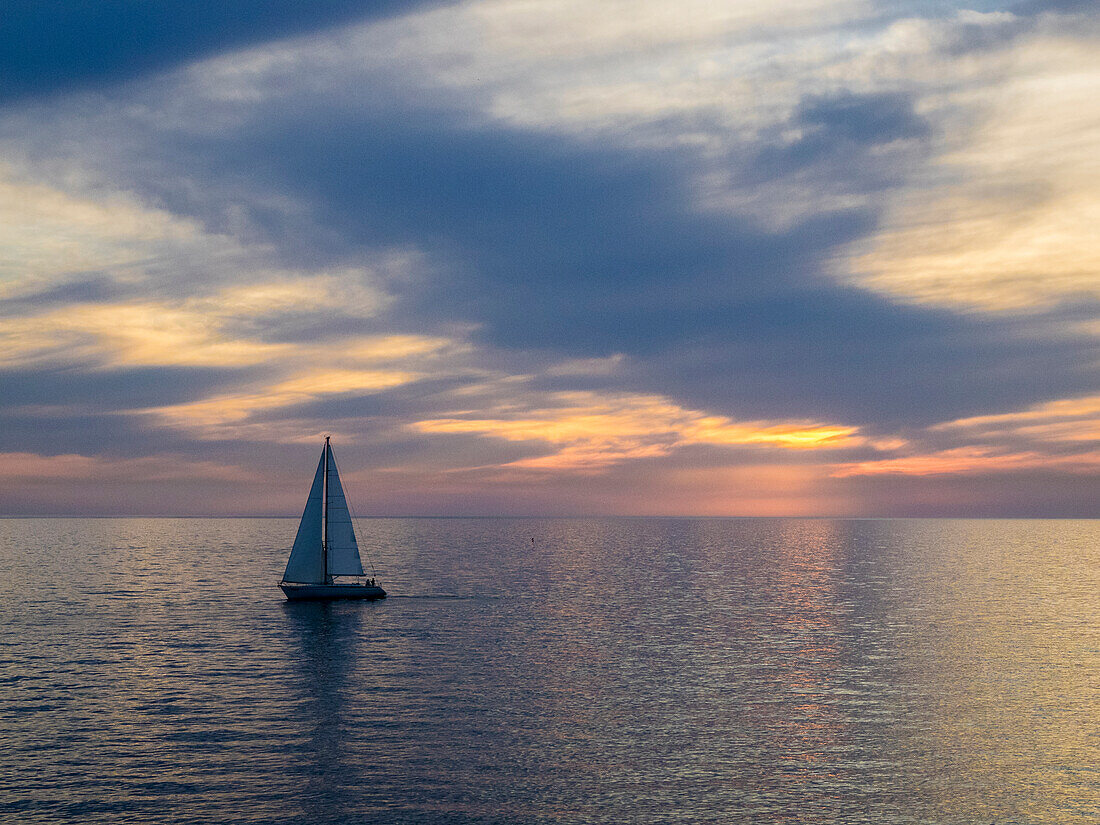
[[553, 671]]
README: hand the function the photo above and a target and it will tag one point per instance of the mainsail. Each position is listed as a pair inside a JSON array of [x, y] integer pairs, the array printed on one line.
[[325, 545]]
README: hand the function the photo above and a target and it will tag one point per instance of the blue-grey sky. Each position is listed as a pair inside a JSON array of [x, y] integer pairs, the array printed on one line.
[[812, 257]]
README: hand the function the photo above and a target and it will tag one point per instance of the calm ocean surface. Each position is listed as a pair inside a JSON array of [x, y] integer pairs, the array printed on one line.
[[619, 671]]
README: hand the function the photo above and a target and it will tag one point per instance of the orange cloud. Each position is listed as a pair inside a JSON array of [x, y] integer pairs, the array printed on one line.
[[1059, 435], [971, 461], [198, 331], [227, 416], [1070, 419], [592, 431]]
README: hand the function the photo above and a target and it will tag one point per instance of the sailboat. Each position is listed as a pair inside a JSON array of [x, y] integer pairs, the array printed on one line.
[[324, 562]]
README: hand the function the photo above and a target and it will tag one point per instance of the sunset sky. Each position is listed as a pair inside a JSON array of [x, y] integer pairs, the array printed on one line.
[[551, 257]]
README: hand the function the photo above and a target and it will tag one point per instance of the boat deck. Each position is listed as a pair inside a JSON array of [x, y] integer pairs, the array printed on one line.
[[297, 592]]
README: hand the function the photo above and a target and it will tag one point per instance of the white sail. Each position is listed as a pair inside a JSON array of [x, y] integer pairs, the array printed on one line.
[[306, 564], [343, 552]]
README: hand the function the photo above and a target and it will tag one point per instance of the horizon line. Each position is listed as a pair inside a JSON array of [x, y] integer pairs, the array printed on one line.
[[561, 517]]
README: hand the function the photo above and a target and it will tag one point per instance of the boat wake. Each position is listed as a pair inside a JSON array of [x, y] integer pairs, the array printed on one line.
[[442, 596]]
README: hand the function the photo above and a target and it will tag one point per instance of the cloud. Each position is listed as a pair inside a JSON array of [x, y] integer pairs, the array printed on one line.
[[1054, 416], [107, 390], [1004, 220], [24, 466], [588, 432], [59, 46], [49, 236], [604, 253], [974, 461], [227, 416], [1056, 436]]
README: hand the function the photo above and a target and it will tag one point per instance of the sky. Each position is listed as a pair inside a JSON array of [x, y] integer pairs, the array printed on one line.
[[551, 257]]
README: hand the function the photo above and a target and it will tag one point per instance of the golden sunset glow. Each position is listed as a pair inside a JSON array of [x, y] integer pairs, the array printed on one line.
[[1059, 435], [973, 460], [1072, 419], [592, 432]]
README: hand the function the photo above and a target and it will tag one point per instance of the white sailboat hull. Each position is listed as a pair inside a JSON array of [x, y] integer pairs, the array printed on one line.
[[296, 591]]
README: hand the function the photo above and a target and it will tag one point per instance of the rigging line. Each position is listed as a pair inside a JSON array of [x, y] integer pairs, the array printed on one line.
[[359, 531]]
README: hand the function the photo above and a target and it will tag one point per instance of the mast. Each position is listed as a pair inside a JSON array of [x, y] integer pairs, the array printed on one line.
[[324, 509]]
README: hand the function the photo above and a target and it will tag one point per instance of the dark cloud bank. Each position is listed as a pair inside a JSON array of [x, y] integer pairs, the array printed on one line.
[[576, 250]]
